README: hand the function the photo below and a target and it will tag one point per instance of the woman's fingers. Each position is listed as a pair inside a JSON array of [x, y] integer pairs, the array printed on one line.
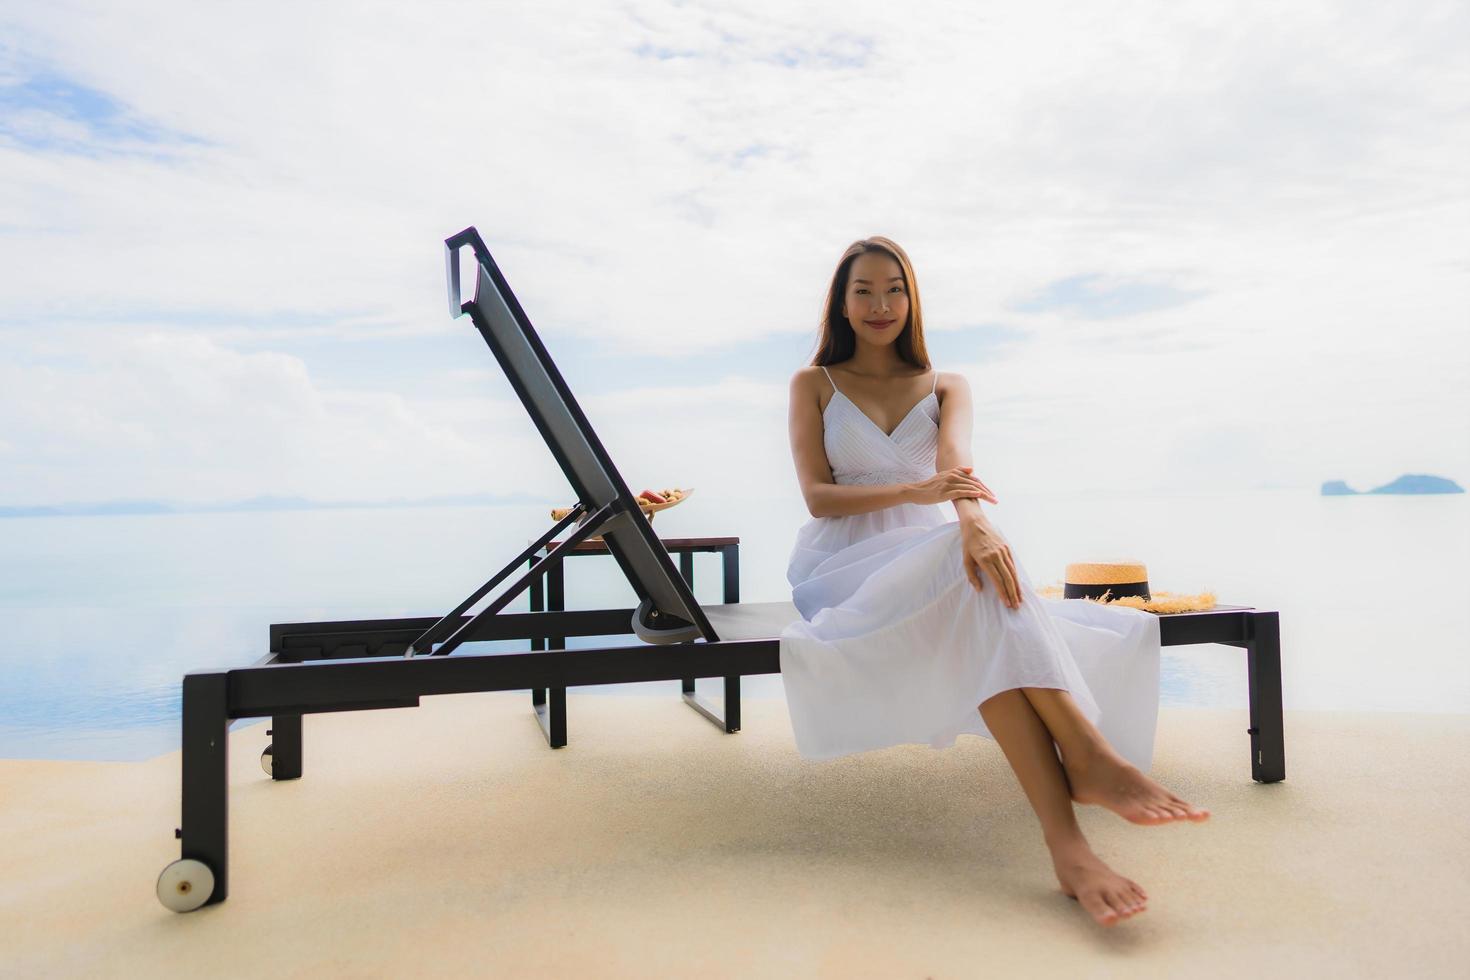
[[989, 494], [1005, 582], [1015, 575], [996, 567], [971, 487], [969, 477], [973, 575], [1008, 573]]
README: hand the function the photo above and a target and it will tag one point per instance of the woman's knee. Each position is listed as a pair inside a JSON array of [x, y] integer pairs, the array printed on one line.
[[1001, 699]]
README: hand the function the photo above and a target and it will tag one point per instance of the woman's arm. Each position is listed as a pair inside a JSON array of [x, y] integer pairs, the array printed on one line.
[[985, 551], [956, 425], [824, 497]]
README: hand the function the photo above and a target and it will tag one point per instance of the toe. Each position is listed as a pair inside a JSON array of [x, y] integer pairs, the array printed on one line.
[[1122, 904], [1190, 810], [1098, 908]]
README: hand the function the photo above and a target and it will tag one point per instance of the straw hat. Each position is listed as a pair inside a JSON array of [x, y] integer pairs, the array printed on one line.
[[1123, 583]]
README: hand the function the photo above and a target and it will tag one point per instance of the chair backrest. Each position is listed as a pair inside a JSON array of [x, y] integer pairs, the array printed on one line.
[[667, 609]]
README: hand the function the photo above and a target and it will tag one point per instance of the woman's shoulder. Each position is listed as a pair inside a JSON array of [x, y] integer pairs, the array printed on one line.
[[809, 383], [950, 382], [807, 377]]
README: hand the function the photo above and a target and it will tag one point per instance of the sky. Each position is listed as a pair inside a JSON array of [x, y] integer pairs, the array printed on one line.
[[1173, 246]]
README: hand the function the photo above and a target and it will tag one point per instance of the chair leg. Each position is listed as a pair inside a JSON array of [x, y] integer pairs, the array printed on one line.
[[551, 714], [555, 718], [732, 703], [731, 721], [285, 747], [1268, 738], [730, 565], [204, 835]]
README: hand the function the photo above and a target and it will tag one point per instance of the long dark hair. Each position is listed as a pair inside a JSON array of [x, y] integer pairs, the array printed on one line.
[[837, 343]]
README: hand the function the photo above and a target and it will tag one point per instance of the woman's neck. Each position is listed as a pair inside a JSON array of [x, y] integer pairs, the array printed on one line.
[[874, 362]]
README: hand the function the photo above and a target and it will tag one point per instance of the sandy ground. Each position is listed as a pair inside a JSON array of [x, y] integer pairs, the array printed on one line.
[[449, 840]]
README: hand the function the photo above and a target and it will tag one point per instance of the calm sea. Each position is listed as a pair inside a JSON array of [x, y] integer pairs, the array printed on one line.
[[106, 614]]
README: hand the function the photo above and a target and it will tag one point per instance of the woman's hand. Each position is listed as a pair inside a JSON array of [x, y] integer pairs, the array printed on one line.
[[986, 553], [950, 484]]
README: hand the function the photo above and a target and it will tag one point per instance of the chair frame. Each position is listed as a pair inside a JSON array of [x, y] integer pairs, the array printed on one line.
[[354, 665]]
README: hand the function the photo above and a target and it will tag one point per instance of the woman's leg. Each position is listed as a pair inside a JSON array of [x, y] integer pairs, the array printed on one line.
[[1097, 773], [1028, 747]]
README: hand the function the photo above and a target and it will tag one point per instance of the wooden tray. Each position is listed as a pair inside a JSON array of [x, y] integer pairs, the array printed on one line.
[[649, 509]]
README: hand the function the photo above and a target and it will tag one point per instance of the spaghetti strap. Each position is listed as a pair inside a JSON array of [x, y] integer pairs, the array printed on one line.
[[934, 386], [829, 376]]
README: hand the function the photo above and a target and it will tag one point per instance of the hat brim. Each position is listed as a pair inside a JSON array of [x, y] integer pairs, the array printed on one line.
[[1158, 602]]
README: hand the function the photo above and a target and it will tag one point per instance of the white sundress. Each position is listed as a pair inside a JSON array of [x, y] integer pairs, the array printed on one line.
[[894, 645]]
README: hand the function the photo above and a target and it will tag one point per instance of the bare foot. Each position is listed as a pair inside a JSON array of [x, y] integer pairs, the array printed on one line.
[[1107, 779], [1106, 895]]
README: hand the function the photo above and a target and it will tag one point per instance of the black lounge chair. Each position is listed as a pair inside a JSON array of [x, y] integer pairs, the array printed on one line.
[[392, 663]]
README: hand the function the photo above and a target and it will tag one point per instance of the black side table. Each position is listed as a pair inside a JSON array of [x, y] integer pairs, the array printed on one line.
[[549, 593]]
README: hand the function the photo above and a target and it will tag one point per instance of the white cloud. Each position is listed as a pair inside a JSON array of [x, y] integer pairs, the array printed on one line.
[[168, 415], [683, 177], [178, 417]]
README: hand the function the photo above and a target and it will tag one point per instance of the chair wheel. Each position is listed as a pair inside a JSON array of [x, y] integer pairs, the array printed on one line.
[[185, 885], [268, 761]]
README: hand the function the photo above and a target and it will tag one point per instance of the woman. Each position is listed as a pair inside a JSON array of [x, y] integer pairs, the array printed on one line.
[[919, 628]]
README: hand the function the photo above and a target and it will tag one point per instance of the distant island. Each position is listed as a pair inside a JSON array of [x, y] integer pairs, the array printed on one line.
[[114, 507], [1408, 483]]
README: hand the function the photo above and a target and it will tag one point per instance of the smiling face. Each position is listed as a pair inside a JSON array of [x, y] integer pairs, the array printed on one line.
[[875, 293]]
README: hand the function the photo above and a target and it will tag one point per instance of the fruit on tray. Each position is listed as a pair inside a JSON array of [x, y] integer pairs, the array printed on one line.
[[649, 501], [671, 495]]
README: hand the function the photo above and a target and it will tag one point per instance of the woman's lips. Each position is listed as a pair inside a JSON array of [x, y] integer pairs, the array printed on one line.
[[880, 324]]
